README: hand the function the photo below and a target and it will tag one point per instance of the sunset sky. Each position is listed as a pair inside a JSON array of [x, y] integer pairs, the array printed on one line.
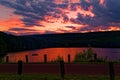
[[26, 17]]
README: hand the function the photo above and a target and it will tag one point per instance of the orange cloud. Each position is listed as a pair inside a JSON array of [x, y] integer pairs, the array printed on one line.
[[102, 2], [62, 1], [79, 9], [13, 22], [58, 25], [114, 28], [87, 1]]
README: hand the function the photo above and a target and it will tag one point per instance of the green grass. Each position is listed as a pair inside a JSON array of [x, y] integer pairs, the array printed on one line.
[[29, 77], [53, 77]]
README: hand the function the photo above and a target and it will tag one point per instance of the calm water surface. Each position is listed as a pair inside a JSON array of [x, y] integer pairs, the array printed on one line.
[[53, 53]]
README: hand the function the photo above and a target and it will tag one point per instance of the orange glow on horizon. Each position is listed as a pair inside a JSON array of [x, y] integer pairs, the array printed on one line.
[[100, 29], [114, 28], [13, 22]]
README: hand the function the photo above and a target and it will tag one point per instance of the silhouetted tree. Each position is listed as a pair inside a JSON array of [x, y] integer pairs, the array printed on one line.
[[2, 48]]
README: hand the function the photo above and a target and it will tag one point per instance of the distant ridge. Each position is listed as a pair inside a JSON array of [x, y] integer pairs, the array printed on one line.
[[107, 32], [108, 39]]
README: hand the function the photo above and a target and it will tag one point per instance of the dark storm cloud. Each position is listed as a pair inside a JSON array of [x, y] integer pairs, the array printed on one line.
[[49, 32], [30, 21], [114, 10], [108, 14], [105, 15], [33, 10], [29, 15], [20, 29], [65, 18], [72, 27], [62, 5], [85, 5]]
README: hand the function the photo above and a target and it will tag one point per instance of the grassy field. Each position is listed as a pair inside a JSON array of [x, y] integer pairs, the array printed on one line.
[[52, 77]]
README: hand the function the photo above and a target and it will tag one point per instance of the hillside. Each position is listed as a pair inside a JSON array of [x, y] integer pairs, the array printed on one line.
[[110, 39]]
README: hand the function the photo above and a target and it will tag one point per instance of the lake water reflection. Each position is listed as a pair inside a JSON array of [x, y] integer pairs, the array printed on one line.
[[53, 53]]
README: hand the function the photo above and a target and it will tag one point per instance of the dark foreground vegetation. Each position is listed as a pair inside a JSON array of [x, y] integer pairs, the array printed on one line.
[[11, 43], [52, 77]]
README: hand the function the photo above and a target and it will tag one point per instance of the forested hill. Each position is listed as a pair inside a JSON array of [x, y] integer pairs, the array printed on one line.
[[95, 39]]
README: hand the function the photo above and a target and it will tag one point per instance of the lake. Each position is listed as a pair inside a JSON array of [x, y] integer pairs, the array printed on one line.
[[53, 53]]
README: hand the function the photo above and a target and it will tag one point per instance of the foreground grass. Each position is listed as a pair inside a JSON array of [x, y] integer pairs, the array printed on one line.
[[52, 77]]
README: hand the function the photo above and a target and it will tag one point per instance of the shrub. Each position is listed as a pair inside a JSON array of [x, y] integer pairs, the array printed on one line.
[[88, 55], [58, 59]]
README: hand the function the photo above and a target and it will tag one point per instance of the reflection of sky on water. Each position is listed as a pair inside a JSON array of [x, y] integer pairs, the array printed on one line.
[[53, 53], [111, 53]]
